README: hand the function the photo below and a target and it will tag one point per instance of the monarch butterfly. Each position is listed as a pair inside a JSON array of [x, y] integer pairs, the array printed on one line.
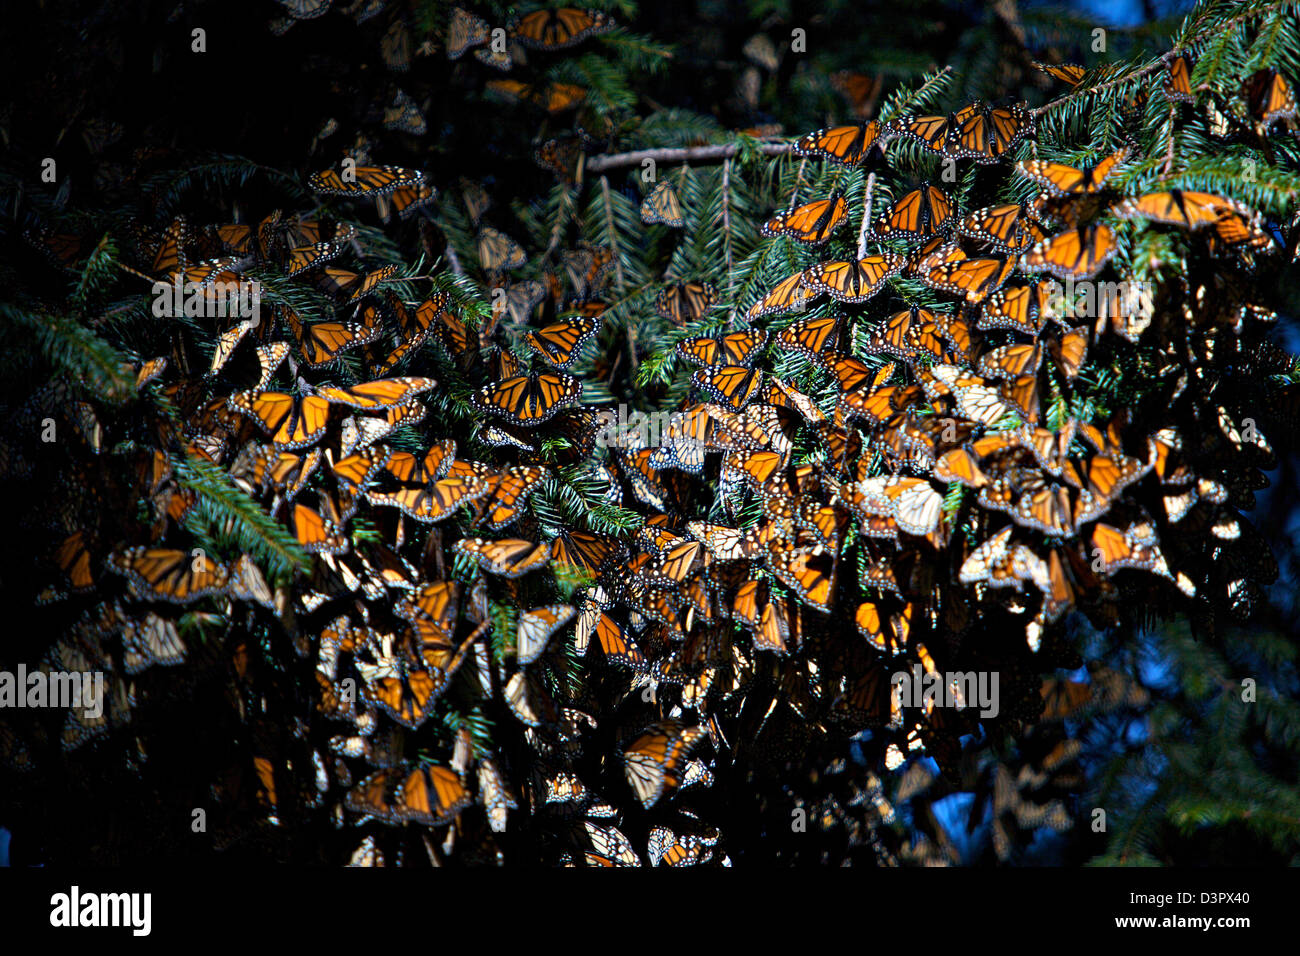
[[584, 551], [404, 116], [291, 423], [497, 59], [846, 145], [561, 28], [519, 299], [587, 266], [1240, 227], [1134, 547], [1008, 361], [530, 701], [853, 281], [554, 98], [1008, 228], [354, 285], [1078, 253], [528, 399], [1024, 308], [1178, 85], [536, 627], [905, 334], [654, 762], [508, 493], [321, 344], [497, 251], [672, 849], [974, 279], [316, 534], [663, 206], [810, 573], [754, 466], [151, 641], [788, 294], [811, 223], [363, 180], [1062, 180], [876, 404], [165, 574], [986, 135], [464, 30], [685, 302], [917, 215], [884, 633], [435, 501], [382, 393], [810, 336], [850, 372], [735, 348], [405, 200], [936, 133], [1192, 210], [768, 619], [614, 644], [559, 343], [1070, 73], [729, 544], [1269, 96], [731, 385], [609, 846], [431, 795], [509, 557]]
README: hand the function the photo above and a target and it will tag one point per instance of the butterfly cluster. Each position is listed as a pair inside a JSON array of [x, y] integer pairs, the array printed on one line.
[[368, 524]]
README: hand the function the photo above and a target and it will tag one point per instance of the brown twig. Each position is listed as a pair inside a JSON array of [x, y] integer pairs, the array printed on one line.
[[692, 154], [866, 216]]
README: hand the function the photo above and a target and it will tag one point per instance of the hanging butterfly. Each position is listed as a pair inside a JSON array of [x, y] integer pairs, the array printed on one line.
[[528, 399], [1178, 81], [559, 343], [509, 557], [404, 201], [464, 30], [654, 762], [536, 628], [356, 181], [732, 385], [811, 223], [685, 302], [497, 252], [789, 294], [853, 281], [1008, 228], [165, 574], [662, 206], [987, 134], [1074, 254], [1269, 96], [735, 348], [935, 133], [435, 501], [846, 145], [560, 28], [1062, 180], [973, 279], [291, 423], [919, 214], [1069, 73]]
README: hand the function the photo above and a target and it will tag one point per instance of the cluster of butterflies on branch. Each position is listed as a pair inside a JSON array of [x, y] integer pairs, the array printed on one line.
[[450, 644]]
